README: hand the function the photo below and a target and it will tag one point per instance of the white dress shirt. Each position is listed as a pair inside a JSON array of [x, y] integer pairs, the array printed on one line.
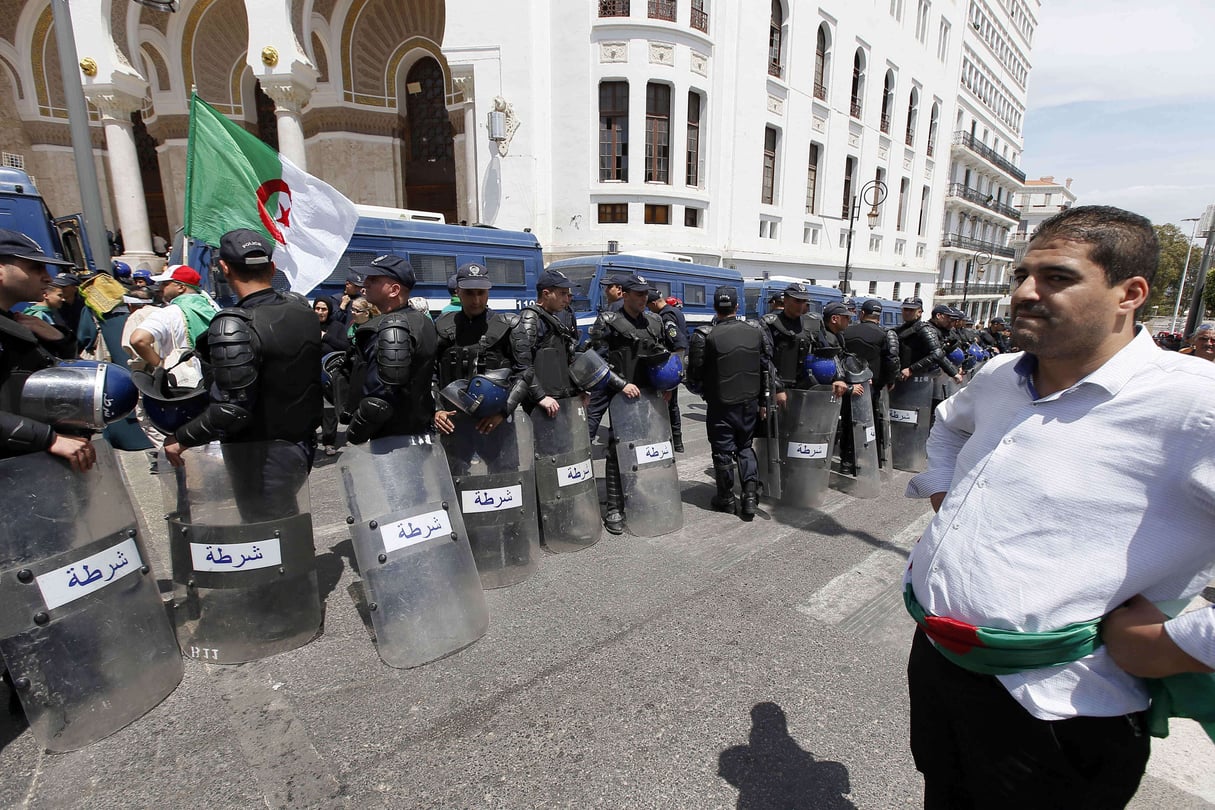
[[1059, 509]]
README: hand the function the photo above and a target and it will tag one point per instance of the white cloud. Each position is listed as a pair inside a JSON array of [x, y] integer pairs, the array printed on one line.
[[1120, 50], [1159, 203]]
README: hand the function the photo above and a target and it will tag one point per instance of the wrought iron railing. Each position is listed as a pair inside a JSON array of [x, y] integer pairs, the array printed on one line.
[[973, 288], [613, 8], [885, 123], [856, 108], [990, 155], [967, 243], [979, 198], [662, 10], [820, 91], [700, 19]]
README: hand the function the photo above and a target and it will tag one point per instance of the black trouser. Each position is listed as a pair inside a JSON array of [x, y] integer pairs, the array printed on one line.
[[977, 747], [844, 435], [676, 419], [731, 429], [595, 409]]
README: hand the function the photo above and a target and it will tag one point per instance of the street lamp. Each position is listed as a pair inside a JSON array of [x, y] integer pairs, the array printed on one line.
[[981, 258], [872, 194], [1189, 248]]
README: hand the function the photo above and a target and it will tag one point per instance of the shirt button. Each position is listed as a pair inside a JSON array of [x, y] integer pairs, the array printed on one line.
[[957, 525], [981, 484], [1008, 440]]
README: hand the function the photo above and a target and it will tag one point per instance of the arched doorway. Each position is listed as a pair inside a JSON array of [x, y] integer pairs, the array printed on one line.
[[428, 142]]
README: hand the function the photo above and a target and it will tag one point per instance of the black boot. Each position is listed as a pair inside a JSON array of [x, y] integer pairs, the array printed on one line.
[[613, 521], [724, 500], [677, 440], [725, 503], [750, 499]]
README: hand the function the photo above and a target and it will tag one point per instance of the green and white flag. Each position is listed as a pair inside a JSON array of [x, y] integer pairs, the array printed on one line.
[[233, 180]]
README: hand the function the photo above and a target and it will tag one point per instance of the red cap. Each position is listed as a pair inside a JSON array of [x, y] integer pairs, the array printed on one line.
[[181, 274]]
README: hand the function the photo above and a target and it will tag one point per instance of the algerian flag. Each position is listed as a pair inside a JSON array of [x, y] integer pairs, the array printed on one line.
[[233, 180]]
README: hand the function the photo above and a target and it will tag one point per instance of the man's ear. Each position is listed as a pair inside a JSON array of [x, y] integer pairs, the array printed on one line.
[[1135, 292]]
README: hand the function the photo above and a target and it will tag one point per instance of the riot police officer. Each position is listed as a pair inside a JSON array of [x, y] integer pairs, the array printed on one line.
[[264, 355], [730, 361], [675, 336], [995, 337], [851, 370], [613, 292], [879, 348], [794, 332], [922, 343], [393, 359]]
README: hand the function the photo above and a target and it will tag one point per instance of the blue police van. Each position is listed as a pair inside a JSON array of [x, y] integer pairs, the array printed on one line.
[[673, 276], [892, 311], [23, 209], [513, 259], [759, 291]]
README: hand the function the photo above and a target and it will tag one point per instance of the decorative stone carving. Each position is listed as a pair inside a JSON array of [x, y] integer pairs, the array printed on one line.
[[662, 53], [512, 123], [287, 93], [114, 105], [776, 105], [819, 124], [854, 140], [907, 164], [352, 119], [883, 151], [613, 52], [269, 56], [700, 63]]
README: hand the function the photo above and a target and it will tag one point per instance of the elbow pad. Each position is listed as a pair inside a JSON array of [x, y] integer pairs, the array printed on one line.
[[371, 415], [219, 420], [19, 435], [518, 393]]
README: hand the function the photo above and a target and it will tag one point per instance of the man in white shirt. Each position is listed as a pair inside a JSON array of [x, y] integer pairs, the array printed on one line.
[[1075, 494], [166, 332]]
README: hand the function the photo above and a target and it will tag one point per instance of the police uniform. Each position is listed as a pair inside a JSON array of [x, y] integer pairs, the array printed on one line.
[[792, 340], [730, 361], [879, 348], [265, 357], [392, 367], [675, 337], [922, 345], [852, 369]]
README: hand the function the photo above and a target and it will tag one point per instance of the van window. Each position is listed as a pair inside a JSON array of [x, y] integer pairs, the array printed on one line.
[[581, 279], [505, 271], [663, 287], [351, 260], [432, 269], [751, 302], [694, 294], [816, 307]]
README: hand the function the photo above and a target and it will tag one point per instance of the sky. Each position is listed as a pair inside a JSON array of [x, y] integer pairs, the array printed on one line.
[[1122, 99]]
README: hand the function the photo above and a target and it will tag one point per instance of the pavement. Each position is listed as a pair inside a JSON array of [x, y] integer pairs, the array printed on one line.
[[729, 664]]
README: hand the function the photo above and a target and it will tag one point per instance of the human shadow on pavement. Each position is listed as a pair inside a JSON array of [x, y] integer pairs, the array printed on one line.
[[772, 771], [12, 717]]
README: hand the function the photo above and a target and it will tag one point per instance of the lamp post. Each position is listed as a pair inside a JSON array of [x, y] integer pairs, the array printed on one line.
[[872, 194], [1189, 248], [981, 258]]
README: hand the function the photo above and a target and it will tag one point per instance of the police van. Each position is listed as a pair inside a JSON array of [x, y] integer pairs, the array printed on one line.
[[513, 259], [672, 275], [23, 209], [892, 311], [759, 291]]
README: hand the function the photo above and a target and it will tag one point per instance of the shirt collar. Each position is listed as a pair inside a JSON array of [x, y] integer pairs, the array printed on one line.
[[1112, 375]]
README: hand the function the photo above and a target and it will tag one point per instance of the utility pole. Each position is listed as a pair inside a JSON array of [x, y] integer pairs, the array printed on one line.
[[1200, 283]]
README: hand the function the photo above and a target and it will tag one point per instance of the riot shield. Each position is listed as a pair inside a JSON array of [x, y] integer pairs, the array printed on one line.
[[641, 429], [881, 414], [807, 443], [240, 537], [83, 630], [565, 480], [867, 481], [910, 420], [494, 474], [423, 592]]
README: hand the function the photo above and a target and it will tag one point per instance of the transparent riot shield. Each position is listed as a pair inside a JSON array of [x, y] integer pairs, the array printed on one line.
[[423, 591], [641, 429], [910, 420], [807, 443], [494, 474], [866, 482], [565, 480], [83, 630], [244, 564], [881, 414]]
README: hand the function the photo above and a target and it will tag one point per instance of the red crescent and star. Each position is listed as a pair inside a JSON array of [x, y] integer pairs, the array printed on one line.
[[272, 223]]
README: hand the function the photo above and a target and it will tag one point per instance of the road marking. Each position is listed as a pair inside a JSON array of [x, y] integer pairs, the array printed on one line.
[[852, 592]]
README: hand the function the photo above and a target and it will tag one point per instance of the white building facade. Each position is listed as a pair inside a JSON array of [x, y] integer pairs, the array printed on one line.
[[985, 153], [1038, 201]]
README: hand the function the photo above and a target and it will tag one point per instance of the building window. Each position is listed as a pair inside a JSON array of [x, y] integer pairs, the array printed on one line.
[[810, 234], [921, 20], [904, 189], [613, 8], [879, 177], [700, 17], [693, 155], [917, 284], [894, 294], [923, 212], [849, 169], [913, 113], [896, 9], [768, 192], [657, 214], [657, 133], [662, 10], [858, 83], [820, 64], [613, 212], [875, 243], [887, 101], [812, 179], [775, 25], [933, 121], [691, 217], [943, 40], [613, 131]]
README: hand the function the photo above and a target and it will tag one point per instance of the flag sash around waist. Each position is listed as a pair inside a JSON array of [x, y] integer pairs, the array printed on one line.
[[995, 651]]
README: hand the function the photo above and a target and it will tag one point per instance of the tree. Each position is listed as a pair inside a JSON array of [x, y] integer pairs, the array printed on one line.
[[1208, 293], [1173, 243]]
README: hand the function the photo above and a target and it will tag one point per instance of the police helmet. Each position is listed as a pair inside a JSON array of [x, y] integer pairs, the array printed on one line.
[[956, 356], [822, 366], [168, 405], [122, 270], [332, 364], [484, 395], [668, 374], [79, 394], [589, 371]]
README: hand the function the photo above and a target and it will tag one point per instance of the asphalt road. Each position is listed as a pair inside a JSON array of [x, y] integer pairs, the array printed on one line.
[[729, 664]]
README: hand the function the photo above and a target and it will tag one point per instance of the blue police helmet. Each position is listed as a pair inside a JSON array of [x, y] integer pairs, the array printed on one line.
[[589, 371], [667, 375], [484, 395], [823, 369], [167, 406], [331, 364], [957, 356], [122, 270], [81, 394]]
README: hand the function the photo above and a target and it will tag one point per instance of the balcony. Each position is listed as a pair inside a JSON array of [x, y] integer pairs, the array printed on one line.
[[700, 19], [662, 10], [931, 148], [885, 123], [820, 91], [910, 139], [974, 288], [955, 240], [988, 154], [855, 109], [985, 200], [613, 8], [774, 68]]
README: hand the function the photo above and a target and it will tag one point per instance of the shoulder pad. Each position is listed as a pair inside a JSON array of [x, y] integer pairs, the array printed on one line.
[[608, 316], [512, 320], [770, 318], [232, 349], [393, 349], [295, 298], [751, 324]]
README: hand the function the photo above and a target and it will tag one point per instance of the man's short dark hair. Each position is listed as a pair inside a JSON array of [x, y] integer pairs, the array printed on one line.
[[1122, 243], [247, 273], [725, 310]]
